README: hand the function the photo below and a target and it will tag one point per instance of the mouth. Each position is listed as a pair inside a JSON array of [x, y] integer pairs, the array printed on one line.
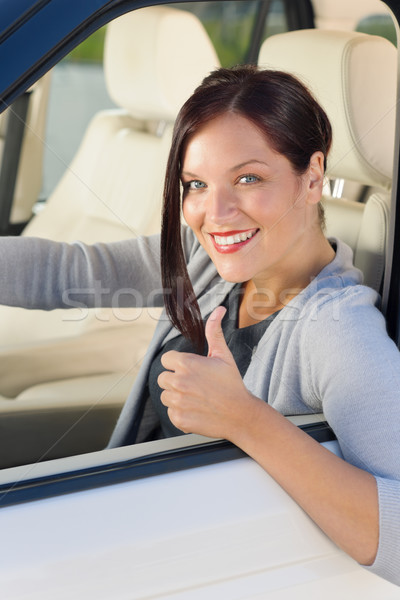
[[232, 241]]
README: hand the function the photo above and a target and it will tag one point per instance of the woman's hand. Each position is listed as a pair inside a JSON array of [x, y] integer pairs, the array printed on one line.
[[206, 395]]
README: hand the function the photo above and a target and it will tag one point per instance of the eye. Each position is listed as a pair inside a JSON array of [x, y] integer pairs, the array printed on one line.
[[249, 178], [195, 184]]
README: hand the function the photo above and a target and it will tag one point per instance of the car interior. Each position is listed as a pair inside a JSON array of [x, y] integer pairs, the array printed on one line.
[[21, 156], [66, 374], [102, 196], [355, 70]]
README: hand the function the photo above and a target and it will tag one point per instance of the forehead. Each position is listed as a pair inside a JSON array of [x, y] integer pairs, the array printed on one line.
[[227, 135]]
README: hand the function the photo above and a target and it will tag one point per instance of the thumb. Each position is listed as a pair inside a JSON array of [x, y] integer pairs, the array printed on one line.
[[217, 347]]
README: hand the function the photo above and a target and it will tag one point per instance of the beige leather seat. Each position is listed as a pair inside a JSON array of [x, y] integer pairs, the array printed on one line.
[[64, 375], [343, 14], [353, 75], [30, 167]]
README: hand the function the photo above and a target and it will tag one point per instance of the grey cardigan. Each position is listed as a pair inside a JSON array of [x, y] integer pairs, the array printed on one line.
[[327, 350]]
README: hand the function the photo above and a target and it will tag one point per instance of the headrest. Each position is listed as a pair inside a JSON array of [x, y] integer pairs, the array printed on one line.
[[343, 14], [154, 58], [353, 76]]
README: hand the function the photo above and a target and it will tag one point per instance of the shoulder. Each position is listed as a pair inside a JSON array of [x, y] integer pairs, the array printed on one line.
[[346, 348], [336, 291], [353, 302], [336, 314], [345, 319]]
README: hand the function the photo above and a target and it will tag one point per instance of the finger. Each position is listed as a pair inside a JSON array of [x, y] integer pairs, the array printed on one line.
[[217, 346], [165, 398], [169, 359], [165, 381]]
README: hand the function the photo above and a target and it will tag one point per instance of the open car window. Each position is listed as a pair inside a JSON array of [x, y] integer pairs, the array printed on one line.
[[65, 376]]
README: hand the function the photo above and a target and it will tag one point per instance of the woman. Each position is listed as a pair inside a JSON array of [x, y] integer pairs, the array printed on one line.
[[289, 327]]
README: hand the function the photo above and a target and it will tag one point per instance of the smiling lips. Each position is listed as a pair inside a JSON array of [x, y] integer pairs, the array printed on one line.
[[232, 241]]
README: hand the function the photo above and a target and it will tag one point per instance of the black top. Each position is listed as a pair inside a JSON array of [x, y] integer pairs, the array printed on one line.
[[242, 342]]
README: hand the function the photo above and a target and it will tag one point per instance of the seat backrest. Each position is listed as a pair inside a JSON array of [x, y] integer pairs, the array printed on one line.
[[353, 76], [154, 58]]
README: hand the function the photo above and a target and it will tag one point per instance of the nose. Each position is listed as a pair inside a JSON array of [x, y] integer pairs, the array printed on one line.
[[221, 206]]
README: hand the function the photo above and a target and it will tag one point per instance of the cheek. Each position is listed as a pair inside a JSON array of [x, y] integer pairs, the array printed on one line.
[[192, 214]]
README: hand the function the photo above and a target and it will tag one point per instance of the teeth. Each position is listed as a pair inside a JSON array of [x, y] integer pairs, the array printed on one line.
[[233, 239]]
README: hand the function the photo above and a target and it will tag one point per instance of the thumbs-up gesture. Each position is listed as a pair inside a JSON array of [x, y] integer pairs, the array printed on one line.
[[205, 395]]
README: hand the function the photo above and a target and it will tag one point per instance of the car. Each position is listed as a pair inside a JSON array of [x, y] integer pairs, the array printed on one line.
[[184, 517]]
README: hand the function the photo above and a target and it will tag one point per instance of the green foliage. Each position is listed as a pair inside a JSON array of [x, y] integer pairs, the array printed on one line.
[[230, 40], [90, 50], [379, 25]]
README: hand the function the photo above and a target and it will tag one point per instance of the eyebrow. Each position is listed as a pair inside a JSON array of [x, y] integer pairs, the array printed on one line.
[[249, 162], [188, 174], [234, 168]]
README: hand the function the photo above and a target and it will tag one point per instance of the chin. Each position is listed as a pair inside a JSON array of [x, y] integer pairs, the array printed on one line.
[[232, 277]]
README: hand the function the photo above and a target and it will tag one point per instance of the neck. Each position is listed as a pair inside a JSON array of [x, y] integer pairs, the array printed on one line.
[[264, 296]]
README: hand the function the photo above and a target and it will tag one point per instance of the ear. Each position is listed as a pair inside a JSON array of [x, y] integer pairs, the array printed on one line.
[[315, 177]]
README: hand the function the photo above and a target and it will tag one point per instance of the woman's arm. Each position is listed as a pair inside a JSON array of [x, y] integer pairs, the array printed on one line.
[[207, 396], [340, 498], [41, 274]]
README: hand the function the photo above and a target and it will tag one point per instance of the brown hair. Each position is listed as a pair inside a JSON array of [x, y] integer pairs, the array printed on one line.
[[283, 110]]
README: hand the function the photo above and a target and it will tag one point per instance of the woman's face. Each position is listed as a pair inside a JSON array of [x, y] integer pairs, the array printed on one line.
[[249, 210]]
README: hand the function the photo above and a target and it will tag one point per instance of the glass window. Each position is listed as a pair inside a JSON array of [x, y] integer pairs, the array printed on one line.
[[78, 91], [378, 25], [276, 21], [229, 25]]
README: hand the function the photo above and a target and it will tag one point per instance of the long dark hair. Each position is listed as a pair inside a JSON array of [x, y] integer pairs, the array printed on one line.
[[293, 123]]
